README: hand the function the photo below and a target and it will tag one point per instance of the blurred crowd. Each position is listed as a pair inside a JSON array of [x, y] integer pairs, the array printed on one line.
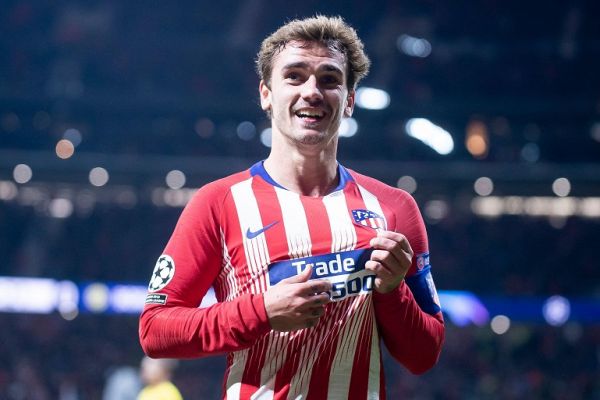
[[118, 78], [506, 255], [48, 358], [180, 79]]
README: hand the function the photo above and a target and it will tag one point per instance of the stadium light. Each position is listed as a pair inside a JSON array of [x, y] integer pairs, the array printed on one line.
[[413, 46], [348, 127], [430, 134], [372, 99]]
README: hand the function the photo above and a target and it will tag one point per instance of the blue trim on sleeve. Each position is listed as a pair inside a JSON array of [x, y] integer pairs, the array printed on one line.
[[422, 287]]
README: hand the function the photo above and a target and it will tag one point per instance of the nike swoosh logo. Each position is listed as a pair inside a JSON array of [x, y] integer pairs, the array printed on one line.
[[252, 235]]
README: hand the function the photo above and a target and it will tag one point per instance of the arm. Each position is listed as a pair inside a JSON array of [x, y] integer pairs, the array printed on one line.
[[413, 337], [406, 307], [174, 326]]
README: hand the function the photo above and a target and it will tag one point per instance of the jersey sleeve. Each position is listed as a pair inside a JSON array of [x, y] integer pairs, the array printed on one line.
[[409, 318], [171, 324]]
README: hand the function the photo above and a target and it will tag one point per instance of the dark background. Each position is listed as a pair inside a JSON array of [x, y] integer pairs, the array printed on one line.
[[152, 87]]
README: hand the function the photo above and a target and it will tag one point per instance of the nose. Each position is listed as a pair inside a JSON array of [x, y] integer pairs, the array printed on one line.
[[311, 91]]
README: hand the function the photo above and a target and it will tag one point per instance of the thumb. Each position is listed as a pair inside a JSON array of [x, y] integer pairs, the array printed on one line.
[[303, 276]]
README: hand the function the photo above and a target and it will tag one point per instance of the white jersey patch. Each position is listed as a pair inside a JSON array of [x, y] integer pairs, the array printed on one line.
[[162, 274]]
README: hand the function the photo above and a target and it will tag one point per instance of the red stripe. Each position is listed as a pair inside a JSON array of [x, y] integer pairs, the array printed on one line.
[[270, 211], [289, 367], [359, 381], [318, 224], [319, 381]]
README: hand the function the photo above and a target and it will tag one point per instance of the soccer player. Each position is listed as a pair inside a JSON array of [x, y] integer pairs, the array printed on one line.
[[313, 264], [157, 374]]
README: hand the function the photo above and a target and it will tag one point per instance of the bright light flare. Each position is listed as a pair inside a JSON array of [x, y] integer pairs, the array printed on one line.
[[348, 127], [372, 99], [432, 135], [413, 46]]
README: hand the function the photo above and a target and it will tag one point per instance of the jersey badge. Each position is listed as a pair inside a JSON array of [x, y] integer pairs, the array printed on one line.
[[162, 274], [368, 218], [422, 261]]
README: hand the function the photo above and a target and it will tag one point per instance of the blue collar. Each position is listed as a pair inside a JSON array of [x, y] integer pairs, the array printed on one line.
[[259, 169]]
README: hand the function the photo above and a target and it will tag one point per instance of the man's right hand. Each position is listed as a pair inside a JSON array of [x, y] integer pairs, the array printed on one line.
[[296, 303]]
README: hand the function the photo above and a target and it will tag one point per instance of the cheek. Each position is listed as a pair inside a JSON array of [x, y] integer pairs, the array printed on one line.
[[282, 102]]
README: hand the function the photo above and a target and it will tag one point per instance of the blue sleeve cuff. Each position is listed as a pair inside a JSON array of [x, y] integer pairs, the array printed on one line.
[[423, 289]]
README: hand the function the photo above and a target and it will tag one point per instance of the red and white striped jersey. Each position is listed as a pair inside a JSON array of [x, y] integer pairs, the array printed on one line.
[[243, 234]]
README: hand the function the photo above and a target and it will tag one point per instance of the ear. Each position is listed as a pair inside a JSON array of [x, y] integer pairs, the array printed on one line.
[[349, 109], [265, 96]]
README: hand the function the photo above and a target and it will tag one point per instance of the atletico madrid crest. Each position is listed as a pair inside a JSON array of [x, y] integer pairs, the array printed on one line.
[[368, 218]]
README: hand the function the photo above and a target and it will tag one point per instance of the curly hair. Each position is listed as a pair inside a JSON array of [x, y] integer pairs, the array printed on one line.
[[333, 32]]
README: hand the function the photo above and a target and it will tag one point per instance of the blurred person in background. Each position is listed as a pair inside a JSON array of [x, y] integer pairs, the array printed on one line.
[[156, 374], [122, 383], [312, 264]]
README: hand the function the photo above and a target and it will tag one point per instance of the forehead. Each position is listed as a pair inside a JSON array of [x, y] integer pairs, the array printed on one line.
[[314, 54]]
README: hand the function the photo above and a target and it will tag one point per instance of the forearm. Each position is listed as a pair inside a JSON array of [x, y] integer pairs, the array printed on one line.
[[185, 332], [413, 337]]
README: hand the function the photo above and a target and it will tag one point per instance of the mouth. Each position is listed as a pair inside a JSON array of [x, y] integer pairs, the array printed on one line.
[[310, 115]]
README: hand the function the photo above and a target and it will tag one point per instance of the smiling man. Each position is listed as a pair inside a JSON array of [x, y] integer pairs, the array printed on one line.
[[314, 265]]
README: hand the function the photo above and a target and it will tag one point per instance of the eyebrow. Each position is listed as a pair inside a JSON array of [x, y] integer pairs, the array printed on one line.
[[304, 65]]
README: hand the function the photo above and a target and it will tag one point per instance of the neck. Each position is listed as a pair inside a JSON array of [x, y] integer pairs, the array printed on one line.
[[309, 173]]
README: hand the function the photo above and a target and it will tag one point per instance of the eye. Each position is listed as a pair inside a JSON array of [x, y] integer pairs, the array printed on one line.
[[293, 76], [330, 80]]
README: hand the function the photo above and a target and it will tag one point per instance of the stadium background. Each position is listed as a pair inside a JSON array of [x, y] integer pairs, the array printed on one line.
[[112, 113]]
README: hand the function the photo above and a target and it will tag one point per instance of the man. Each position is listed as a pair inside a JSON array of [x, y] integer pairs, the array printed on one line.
[[311, 263], [156, 375]]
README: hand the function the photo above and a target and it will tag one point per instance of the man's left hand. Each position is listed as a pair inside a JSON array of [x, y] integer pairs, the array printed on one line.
[[390, 260]]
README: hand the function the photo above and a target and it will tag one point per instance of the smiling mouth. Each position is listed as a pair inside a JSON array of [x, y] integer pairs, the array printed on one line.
[[310, 115]]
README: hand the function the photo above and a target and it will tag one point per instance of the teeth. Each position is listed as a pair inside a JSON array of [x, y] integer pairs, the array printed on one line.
[[309, 114]]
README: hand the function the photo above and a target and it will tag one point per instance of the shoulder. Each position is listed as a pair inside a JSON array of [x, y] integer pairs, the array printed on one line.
[[214, 193], [399, 206], [208, 200], [221, 187], [382, 191]]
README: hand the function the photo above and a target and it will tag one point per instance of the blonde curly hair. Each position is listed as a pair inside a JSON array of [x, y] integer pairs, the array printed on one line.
[[333, 32]]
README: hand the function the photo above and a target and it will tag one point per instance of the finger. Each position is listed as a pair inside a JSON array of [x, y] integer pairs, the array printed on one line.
[[390, 261], [319, 299], [395, 248], [303, 276], [316, 287], [316, 312], [316, 301], [379, 269], [394, 237]]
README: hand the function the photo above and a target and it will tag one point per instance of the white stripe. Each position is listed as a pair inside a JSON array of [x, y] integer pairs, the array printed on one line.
[[374, 363], [275, 356], [257, 253], [266, 391], [341, 368], [372, 203], [312, 345], [234, 379], [343, 234], [227, 279], [296, 225]]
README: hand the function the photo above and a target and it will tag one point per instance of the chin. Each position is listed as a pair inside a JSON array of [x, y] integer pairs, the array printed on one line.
[[313, 138]]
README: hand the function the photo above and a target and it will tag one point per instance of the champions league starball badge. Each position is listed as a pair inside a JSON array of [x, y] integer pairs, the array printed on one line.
[[162, 274]]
